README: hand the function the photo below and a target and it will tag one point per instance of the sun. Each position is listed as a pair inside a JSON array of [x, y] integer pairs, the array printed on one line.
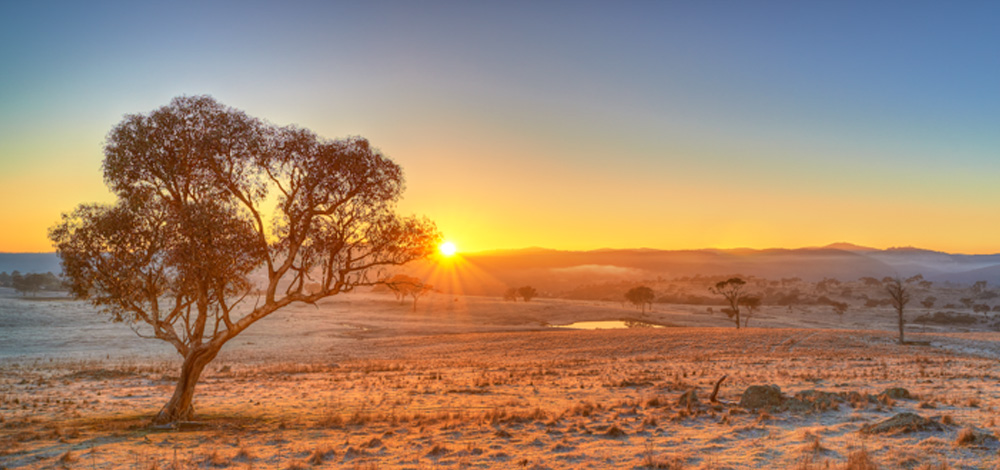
[[448, 249]]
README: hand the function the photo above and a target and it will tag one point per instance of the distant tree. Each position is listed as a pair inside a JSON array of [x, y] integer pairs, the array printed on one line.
[[207, 196], [404, 286], [29, 283], [917, 278], [967, 302], [16, 280], [887, 280], [510, 294], [928, 302], [925, 284], [32, 283], [5, 279], [978, 287], [870, 281], [981, 308], [35, 282], [51, 282], [840, 308], [899, 296], [527, 293], [751, 304], [640, 297], [827, 284], [732, 291]]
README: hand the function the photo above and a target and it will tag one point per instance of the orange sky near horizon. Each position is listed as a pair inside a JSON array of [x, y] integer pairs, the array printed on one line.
[[672, 125]]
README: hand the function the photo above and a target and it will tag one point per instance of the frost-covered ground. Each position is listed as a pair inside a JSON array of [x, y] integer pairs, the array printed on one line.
[[364, 382]]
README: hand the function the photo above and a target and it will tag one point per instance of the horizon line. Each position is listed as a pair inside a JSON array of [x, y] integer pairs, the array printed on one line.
[[608, 248]]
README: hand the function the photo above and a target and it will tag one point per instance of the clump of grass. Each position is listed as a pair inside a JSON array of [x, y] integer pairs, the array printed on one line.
[[365, 466], [215, 459], [934, 466], [245, 455], [812, 444], [860, 460], [966, 436], [320, 455], [658, 401], [669, 462], [808, 462], [615, 432], [332, 421], [584, 408], [438, 450], [67, 457]]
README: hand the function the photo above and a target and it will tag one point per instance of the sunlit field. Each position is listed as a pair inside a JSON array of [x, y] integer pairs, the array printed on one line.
[[364, 382]]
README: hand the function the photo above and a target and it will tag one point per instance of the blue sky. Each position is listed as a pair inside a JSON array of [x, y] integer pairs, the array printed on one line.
[[572, 125]]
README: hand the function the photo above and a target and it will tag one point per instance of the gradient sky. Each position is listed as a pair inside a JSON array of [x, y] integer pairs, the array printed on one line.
[[568, 125]]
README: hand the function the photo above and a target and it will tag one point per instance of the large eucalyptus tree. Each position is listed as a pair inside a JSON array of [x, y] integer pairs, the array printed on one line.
[[222, 219]]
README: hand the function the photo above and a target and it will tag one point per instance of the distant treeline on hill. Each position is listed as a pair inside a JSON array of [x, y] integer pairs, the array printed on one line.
[[30, 263], [31, 283]]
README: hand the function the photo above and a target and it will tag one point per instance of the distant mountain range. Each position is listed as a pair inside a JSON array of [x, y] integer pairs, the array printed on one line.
[[554, 270]]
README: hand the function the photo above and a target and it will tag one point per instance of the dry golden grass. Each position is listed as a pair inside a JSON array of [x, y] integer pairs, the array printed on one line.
[[550, 399]]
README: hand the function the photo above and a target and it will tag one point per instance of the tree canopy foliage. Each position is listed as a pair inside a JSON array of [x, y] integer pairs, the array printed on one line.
[[403, 286], [31, 283], [640, 296], [733, 291], [527, 293]]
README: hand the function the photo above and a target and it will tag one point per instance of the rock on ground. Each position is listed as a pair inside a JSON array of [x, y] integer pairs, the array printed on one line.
[[756, 397], [902, 423]]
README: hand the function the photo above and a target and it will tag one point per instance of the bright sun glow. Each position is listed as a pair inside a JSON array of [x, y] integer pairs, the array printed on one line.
[[448, 248]]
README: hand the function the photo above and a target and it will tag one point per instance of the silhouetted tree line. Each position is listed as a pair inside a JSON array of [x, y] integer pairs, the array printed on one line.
[[525, 292], [31, 283]]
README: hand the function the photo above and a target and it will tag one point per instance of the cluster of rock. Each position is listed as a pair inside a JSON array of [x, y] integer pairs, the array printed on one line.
[[770, 398]]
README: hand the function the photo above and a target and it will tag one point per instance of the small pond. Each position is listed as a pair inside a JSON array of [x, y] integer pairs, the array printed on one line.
[[608, 325]]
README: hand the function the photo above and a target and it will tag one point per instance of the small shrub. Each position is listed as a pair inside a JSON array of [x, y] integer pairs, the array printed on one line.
[[966, 436]]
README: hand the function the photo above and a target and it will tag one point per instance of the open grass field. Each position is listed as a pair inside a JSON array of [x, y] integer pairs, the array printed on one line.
[[364, 382]]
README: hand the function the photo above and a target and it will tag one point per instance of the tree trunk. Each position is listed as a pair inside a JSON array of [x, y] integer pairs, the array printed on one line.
[[737, 319], [900, 311], [180, 408]]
